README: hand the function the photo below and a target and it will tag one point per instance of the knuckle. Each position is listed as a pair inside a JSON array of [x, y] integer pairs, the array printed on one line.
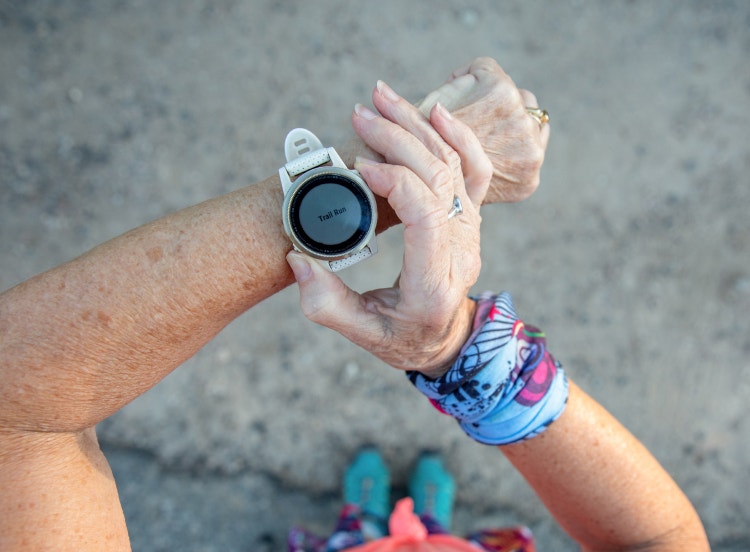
[[392, 143], [443, 151], [450, 167], [538, 156], [484, 168], [489, 173], [528, 97], [534, 159], [400, 176], [392, 138], [453, 160], [441, 177], [402, 173]]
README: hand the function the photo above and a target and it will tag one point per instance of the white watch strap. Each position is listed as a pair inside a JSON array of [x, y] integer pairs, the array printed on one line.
[[300, 141], [346, 262], [308, 161], [304, 151]]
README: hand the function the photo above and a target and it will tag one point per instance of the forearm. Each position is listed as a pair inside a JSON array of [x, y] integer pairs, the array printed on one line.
[[81, 340], [602, 485]]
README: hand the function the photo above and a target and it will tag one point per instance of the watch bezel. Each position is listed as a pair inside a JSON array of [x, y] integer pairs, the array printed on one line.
[[293, 228]]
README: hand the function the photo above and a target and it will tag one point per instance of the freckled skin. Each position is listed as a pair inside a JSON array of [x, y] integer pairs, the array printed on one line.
[[155, 254], [103, 318]]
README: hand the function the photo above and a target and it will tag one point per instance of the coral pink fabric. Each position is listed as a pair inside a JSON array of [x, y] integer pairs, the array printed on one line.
[[407, 534]]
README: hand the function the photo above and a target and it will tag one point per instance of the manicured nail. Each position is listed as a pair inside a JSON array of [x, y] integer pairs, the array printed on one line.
[[300, 266], [363, 161], [443, 112], [386, 91], [364, 112]]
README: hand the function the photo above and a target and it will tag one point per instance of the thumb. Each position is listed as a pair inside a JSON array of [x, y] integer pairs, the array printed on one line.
[[452, 95], [323, 297]]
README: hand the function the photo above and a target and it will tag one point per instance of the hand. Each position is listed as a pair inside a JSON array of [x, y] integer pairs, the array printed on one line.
[[486, 99], [421, 322]]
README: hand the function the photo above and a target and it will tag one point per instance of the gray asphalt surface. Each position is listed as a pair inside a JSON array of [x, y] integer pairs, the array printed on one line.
[[634, 255]]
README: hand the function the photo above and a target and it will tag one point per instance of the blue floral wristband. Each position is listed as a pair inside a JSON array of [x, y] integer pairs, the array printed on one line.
[[505, 386]]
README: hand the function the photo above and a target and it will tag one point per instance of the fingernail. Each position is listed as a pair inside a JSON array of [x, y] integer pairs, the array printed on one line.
[[300, 265], [443, 112], [359, 161], [386, 91], [364, 112]]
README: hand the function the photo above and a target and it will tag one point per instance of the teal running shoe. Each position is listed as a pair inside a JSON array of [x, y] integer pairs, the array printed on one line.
[[367, 484], [433, 489]]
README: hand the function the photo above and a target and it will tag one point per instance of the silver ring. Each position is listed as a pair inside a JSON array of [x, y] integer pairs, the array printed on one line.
[[457, 208]]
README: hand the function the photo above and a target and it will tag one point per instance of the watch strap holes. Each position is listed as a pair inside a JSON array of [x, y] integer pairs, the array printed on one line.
[[300, 142], [302, 146]]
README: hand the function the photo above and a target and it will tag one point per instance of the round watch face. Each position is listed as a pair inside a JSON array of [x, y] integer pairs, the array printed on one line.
[[330, 214]]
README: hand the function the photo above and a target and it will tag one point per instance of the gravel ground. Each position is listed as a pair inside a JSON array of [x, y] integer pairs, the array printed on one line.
[[634, 255]]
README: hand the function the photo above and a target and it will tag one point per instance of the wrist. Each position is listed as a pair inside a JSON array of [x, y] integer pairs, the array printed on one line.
[[505, 387], [461, 331]]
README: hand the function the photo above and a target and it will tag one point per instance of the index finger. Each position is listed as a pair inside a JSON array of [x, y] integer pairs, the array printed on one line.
[[399, 146]]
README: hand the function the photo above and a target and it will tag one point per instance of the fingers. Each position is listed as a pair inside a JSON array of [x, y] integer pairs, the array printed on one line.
[[428, 163], [462, 155], [411, 199], [456, 92], [528, 97], [480, 68], [402, 147], [442, 152], [423, 214], [397, 110], [406, 118], [394, 108], [451, 95], [480, 71], [477, 168]]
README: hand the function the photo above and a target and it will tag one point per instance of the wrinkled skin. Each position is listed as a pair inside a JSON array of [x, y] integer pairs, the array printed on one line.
[[421, 322], [488, 150], [513, 140]]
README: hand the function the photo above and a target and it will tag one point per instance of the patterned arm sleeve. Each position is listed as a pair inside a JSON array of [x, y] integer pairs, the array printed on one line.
[[505, 386]]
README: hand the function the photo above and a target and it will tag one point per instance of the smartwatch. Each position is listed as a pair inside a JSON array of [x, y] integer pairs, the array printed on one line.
[[329, 212]]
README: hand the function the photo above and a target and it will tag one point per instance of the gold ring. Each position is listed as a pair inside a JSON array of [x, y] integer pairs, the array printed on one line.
[[540, 115]]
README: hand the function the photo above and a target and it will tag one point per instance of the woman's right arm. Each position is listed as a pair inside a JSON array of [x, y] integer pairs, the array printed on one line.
[[603, 486]]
